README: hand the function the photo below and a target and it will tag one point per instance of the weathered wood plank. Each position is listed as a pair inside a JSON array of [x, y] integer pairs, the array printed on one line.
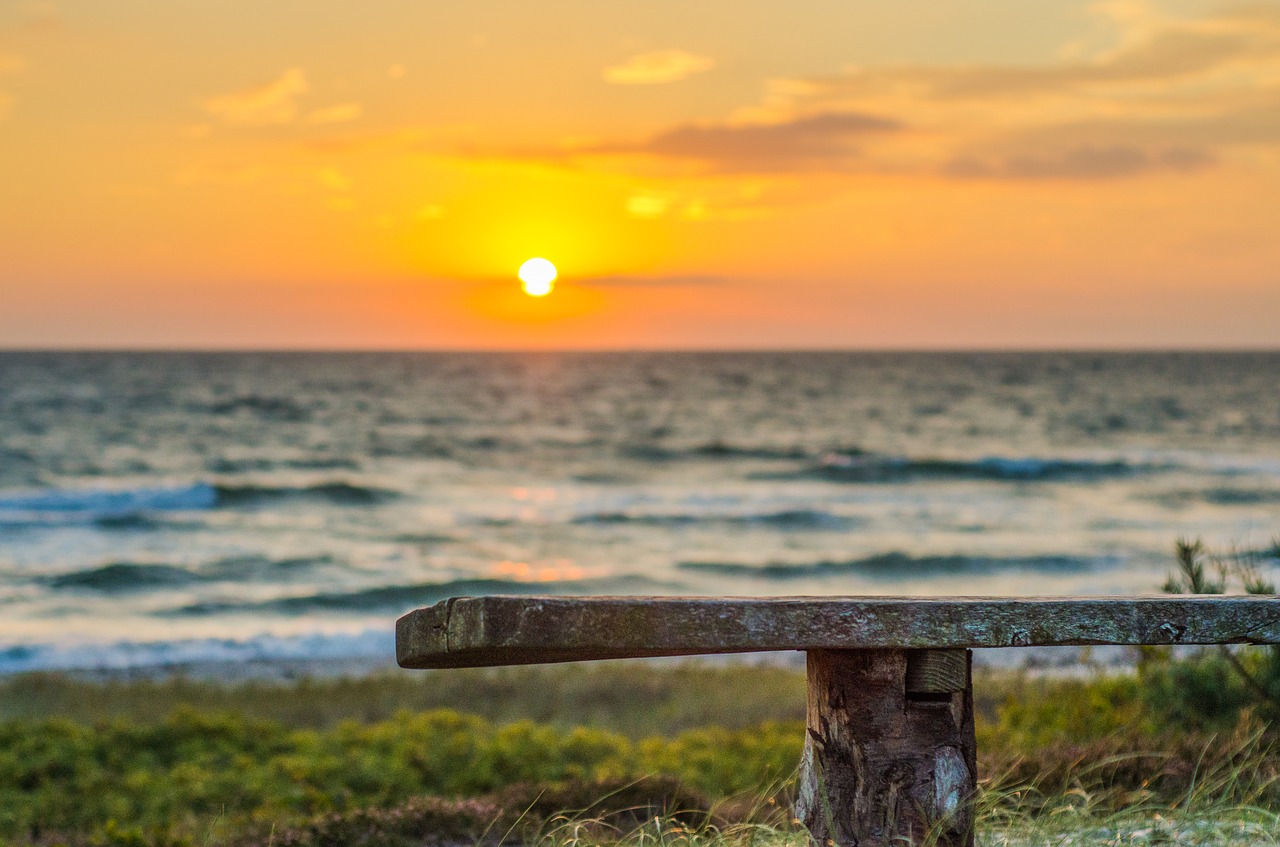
[[483, 631]]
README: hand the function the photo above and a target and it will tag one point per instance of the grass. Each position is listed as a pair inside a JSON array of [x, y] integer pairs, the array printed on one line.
[[636, 699], [179, 763], [1223, 806]]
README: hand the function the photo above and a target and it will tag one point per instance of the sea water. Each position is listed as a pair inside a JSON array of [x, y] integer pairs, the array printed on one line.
[[172, 508]]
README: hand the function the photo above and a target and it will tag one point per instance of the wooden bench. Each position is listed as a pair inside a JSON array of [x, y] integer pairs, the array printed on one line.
[[890, 753]]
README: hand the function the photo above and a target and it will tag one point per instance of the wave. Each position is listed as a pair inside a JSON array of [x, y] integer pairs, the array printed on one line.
[[723, 450], [131, 577], [253, 568], [223, 465], [859, 467], [337, 493], [132, 508], [790, 519], [268, 408], [897, 565], [422, 538], [1242, 497], [108, 507], [375, 645], [711, 450], [123, 577], [392, 598], [18, 467]]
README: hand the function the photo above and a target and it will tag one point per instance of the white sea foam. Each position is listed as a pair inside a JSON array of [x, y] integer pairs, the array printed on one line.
[[375, 645]]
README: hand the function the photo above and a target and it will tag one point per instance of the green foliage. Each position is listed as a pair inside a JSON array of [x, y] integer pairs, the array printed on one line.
[[194, 768], [722, 762], [1039, 713], [1210, 689], [636, 699]]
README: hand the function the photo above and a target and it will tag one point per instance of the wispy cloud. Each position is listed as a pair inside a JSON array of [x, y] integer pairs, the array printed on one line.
[[1082, 163], [1164, 96], [805, 143], [688, 280], [275, 102], [1162, 101], [826, 141], [658, 67], [341, 113]]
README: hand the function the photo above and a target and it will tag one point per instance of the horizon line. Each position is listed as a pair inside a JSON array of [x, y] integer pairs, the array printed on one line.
[[251, 350]]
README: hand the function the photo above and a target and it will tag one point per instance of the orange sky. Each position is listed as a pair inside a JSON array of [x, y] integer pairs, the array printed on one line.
[[322, 174]]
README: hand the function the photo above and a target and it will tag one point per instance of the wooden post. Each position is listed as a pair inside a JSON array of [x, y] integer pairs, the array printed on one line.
[[890, 753]]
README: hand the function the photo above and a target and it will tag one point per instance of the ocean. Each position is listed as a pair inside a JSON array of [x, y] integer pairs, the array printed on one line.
[[162, 509]]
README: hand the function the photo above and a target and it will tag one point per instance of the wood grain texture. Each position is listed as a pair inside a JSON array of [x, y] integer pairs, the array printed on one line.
[[880, 770], [486, 631], [937, 671]]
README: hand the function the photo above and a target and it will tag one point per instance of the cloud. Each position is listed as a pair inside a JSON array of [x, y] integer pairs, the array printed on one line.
[[688, 280], [711, 198], [659, 67], [1225, 49], [272, 103], [338, 114], [813, 142], [1082, 163], [1168, 97]]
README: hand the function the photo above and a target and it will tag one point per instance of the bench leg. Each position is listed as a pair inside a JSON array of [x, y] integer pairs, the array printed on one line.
[[890, 754]]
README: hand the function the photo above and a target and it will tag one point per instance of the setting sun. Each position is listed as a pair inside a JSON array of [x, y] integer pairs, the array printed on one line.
[[537, 276]]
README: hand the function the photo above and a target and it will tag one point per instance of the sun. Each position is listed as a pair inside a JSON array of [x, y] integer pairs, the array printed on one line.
[[537, 276]]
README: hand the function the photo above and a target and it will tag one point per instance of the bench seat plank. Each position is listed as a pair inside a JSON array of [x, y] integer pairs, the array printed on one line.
[[488, 631]]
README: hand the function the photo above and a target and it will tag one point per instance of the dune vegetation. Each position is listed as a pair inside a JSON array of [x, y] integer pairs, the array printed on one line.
[[1176, 749]]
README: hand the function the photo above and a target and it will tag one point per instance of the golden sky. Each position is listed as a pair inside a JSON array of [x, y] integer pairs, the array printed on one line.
[[744, 174]]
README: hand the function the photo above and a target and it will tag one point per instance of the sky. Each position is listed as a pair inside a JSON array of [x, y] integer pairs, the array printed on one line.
[[736, 174]]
